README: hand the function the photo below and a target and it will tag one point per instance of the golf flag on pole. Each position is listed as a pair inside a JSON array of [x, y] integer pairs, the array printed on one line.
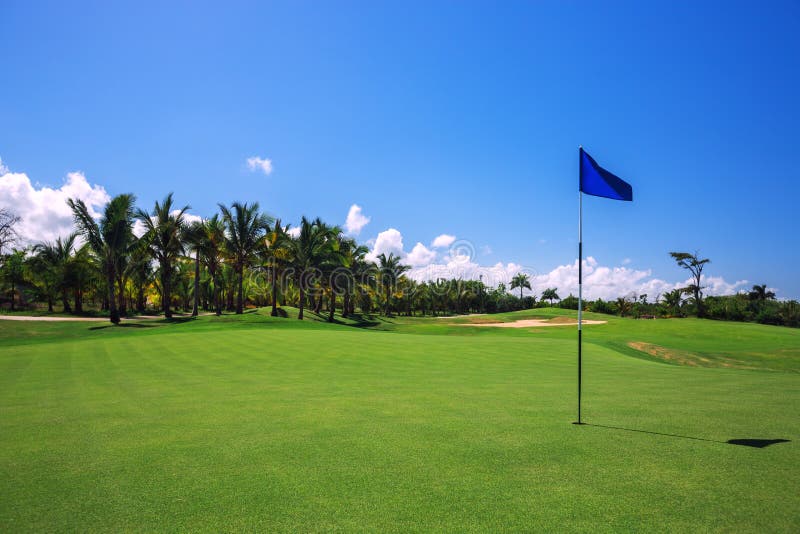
[[592, 180], [597, 181]]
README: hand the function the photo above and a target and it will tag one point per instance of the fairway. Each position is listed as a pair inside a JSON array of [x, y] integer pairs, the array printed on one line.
[[256, 423]]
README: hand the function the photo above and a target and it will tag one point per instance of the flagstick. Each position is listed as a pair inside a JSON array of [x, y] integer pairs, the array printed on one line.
[[580, 286]]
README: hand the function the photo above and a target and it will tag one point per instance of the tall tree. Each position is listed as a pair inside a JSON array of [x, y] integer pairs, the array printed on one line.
[[695, 265], [760, 293], [353, 259], [673, 300], [8, 232], [195, 236], [53, 260], [521, 280], [306, 251], [13, 272], [276, 255], [551, 294], [212, 251], [389, 270], [109, 240], [245, 227], [140, 271], [164, 237]]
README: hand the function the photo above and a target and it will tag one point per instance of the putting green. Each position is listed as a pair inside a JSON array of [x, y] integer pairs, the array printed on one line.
[[255, 423]]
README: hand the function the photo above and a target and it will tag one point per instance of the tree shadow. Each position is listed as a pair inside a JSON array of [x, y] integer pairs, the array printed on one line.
[[123, 325], [747, 442], [757, 443]]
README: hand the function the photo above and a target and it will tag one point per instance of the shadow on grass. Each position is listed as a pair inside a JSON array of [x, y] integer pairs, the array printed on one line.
[[124, 325], [746, 442]]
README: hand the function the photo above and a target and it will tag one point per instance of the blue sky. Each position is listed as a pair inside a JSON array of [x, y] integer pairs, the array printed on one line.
[[457, 118]]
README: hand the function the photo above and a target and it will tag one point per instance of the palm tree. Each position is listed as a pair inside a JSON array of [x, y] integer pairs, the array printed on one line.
[[353, 257], [164, 237], [213, 244], [550, 294], [140, 270], [276, 256], [673, 300], [52, 262], [245, 226], [195, 237], [760, 293], [624, 306], [390, 270], [521, 281], [109, 240], [306, 251], [80, 275]]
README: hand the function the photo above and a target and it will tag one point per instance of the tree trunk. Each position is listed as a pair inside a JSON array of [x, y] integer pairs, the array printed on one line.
[[112, 303], [302, 299], [78, 301], [318, 303], [217, 301], [140, 299], [166, 289], [121, 296], [196, 283], [49, 304], [346, 304], [274, 312], [13, 290], [65, 301], [240, 296], [332, 306]]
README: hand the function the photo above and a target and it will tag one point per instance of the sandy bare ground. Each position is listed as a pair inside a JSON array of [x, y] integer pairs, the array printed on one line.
[[526, 323], [87, 319], [45, 318]]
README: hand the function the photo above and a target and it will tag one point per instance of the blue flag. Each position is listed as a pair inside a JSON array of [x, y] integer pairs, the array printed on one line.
[[597, 181]]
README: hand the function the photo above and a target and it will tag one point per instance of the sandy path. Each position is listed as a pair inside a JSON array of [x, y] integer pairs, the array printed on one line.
[[88, 319], [45, 318], [525, 323]]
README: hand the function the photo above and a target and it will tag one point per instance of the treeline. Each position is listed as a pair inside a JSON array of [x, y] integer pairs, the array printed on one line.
[[242, 257], [757, 305], [237, 258]]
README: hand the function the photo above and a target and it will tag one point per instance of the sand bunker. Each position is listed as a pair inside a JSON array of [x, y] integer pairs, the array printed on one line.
[[527, 323]]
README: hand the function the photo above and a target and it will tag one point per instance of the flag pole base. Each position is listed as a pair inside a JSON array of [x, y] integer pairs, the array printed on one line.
[[578, 423]]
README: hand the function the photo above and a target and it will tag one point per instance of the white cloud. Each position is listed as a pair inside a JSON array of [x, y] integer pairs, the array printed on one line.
[[255, 163], [420, 255], [44, 212], [294, 232], [626, 261], [486, 250], [612, 282], [3, 168], [388, 242], [356, 220], [189, 218], [443, 241], [599, 281], [462, 267]]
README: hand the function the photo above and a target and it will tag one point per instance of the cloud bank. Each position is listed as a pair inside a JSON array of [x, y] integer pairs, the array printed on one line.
[[43, 210], [599, 281]]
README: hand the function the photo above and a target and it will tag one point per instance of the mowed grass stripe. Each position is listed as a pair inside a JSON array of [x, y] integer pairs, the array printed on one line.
[[213, 428]]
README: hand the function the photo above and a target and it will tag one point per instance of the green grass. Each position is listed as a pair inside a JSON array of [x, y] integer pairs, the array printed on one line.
[[255, 423]]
